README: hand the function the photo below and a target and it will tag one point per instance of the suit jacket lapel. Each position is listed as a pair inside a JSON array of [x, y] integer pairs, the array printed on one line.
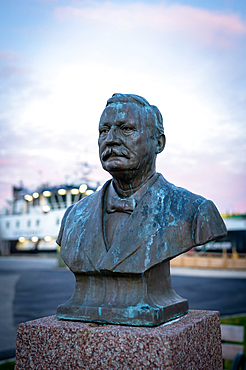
[[140, 226]]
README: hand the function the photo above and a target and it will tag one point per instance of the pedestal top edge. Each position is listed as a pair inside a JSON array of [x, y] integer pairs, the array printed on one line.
[[192, 317]]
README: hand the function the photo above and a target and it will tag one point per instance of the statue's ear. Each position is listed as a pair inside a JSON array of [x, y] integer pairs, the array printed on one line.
[[161, 142]]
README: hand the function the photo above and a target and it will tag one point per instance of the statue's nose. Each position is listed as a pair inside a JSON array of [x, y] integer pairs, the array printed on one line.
[[112, 137]]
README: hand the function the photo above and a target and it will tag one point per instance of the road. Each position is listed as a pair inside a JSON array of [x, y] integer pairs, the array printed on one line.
[[33, 287]]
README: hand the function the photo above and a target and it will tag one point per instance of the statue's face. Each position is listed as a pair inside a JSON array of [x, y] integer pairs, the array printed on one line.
[[125, 141]]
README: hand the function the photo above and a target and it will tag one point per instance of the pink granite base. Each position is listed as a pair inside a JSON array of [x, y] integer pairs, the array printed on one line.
[[192, 342]]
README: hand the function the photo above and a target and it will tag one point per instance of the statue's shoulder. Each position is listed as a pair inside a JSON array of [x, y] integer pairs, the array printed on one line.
[[177, 192], [201, 213], [181, 199], [88, 203], [185, 195], [79, 210]]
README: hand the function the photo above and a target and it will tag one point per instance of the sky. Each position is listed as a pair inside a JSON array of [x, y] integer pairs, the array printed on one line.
[[60, 60]]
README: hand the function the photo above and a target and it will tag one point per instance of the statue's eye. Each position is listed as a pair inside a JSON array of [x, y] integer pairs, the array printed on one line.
[[104, 130], [127, 129]]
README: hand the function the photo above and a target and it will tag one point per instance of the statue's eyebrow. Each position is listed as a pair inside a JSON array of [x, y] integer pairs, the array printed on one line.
[[123, 120], [106, 123]]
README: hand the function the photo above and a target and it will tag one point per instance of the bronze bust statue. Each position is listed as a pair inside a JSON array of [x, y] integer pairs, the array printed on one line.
[[118, 241]]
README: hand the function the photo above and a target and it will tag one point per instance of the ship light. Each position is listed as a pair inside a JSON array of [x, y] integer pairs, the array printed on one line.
[[82, 188], [21, 239], [62, 191], [28, 197], [47, 193], [34, 239], [89, 192], [74, 191], [99, 188], [35, 195], [47, 238], [46, 209]]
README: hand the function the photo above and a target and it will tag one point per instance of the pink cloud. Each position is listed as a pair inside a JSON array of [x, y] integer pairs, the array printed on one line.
[[211, 28], [8, 72], [5, 161], [9, 55], [10, 64]]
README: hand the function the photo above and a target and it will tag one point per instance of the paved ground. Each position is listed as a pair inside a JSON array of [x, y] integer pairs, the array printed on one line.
[[33, 287]]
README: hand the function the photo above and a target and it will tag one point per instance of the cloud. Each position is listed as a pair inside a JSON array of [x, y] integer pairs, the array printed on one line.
[[9, 55], [212, 28], [10, 64], [8, 72]]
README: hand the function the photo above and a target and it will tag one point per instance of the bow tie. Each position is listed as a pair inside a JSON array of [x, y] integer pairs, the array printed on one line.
[[121, 205]]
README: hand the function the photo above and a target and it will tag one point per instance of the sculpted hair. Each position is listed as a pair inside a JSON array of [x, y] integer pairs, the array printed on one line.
[[151, 110]]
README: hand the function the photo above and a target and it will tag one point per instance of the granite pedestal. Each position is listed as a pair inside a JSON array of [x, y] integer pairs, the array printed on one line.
[[191, 342]]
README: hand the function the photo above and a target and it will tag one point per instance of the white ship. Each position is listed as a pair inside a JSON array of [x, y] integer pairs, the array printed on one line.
[[32, 220]]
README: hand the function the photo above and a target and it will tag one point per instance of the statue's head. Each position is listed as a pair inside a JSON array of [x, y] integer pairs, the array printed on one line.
[[131, 134]]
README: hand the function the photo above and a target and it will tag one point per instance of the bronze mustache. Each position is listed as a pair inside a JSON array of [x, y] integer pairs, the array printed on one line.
[[117, 151]]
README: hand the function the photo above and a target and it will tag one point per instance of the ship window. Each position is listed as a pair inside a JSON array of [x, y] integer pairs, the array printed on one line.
[[57, 221], [7, 224], [37, 222], [28, 223], [17, 224]]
